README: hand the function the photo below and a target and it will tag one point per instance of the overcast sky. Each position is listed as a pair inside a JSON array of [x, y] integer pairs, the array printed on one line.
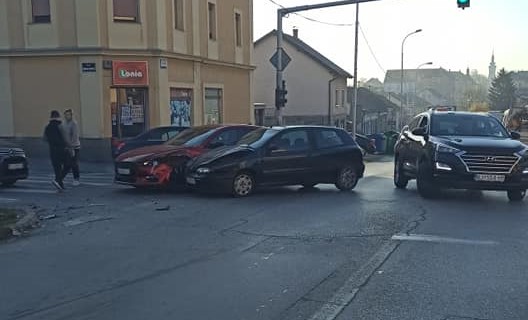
[[452, 38]]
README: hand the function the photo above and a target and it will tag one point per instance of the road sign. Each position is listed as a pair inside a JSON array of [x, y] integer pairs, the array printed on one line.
[[285, 59]]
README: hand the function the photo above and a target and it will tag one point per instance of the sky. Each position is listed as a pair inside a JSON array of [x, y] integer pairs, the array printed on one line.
[[452, 38]]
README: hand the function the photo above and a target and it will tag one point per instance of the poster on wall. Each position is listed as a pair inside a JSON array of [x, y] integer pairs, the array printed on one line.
[[181, 107], [138, 115], [126, 115]]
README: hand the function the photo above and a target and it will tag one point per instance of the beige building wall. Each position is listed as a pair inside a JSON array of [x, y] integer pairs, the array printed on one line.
[[39, 85], [44, 72]]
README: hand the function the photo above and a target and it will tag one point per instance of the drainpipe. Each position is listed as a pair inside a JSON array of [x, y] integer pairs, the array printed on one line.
[[330, 100]]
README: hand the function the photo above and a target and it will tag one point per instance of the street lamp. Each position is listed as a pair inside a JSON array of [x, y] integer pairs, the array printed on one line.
[[416, 80], [400, 122]]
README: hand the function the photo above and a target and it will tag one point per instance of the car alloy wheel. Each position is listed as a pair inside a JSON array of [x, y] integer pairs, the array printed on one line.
[[400, 181], [516, 195], [347, 179], [243, 184]]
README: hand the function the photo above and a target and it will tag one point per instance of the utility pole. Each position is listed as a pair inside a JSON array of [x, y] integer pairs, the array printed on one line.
[[281, 12], [354, 106]]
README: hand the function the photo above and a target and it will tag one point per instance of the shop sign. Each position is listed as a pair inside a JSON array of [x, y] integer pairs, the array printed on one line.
[[130, 73]]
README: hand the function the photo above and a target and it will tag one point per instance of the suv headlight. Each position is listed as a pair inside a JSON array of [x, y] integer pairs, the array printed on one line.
[[150, 163], [203, 170], [523, 153], [446, 149]]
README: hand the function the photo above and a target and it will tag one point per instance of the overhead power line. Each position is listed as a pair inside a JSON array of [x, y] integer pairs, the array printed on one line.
[[314, 20]]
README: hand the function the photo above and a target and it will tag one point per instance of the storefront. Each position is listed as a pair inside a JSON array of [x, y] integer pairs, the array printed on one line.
[[129, 98]]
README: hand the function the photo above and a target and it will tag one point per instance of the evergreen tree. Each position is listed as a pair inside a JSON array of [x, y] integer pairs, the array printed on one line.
[[501, 94]]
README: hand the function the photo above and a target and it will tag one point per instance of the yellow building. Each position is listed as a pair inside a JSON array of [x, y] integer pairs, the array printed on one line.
[[123, 66]]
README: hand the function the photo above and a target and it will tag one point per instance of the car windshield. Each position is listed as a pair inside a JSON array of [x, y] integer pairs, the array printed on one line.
[[467, 125], [257, 138], [192, 137]]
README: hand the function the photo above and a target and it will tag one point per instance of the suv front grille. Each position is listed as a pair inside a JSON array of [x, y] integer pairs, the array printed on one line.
[[489, 163]]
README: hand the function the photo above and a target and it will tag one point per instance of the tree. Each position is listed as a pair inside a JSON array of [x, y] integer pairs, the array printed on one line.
[[502, 91]]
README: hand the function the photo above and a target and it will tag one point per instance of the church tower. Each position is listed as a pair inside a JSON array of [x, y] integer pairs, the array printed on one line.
[[492, 69]]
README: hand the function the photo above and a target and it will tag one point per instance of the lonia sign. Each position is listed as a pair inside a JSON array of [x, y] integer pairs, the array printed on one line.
[[130, 73]]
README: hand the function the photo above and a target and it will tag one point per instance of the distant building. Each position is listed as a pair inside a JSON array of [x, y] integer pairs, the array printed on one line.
[[316, 86], [373, 84], [375, 113], [435, 86], [520, 79], [492, 70]]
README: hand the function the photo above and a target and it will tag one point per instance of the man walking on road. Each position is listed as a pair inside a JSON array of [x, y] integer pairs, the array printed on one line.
[[71, 135], [57, 146]]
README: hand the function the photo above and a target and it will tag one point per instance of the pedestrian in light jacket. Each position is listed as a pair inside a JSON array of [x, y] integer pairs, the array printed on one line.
[[70, 130]]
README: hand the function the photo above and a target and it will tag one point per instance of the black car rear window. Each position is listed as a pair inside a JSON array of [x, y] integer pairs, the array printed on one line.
[[192, 137], [452, 124]]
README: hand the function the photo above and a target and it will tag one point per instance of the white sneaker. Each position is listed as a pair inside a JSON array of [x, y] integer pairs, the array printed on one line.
[[76, 183]]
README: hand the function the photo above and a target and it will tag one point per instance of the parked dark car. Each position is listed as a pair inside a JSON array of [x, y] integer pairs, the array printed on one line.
[[463, 151], [13, 164], [152, 137], [163, 165], [301, 155], [366, 143]]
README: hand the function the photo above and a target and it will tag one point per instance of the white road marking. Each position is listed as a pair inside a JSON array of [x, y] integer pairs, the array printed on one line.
[[8, 200], [94, 184], [18, 190], [332, 308], [431, 238]]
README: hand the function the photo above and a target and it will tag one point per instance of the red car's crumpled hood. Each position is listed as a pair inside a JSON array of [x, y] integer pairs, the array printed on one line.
[[148, 153]]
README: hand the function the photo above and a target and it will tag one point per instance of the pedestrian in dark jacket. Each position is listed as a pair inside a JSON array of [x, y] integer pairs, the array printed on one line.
[[57, 146]]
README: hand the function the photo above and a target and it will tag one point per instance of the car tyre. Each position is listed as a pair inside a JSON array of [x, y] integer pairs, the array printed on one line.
[[400, 180], [243, 184], [347, 178], [8, 183], [516, 195], [424, 181]]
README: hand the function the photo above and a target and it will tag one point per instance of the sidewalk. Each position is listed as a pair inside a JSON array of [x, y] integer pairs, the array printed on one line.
[[39, 165]]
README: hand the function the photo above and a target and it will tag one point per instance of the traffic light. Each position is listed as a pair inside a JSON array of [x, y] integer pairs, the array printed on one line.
[[280, 96], [463, 4]]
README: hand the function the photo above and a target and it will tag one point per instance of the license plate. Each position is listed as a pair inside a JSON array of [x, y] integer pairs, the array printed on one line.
[[490, 177], [191, 180], [15, 166], [123, 171]]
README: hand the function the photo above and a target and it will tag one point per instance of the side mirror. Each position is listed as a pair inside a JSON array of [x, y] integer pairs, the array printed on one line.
[[515, 135], [419, 132]]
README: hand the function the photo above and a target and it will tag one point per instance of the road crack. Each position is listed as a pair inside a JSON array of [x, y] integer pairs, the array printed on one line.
[[413, 225]]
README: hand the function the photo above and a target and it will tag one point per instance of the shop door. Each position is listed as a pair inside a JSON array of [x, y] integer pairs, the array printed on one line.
[[129, 110]]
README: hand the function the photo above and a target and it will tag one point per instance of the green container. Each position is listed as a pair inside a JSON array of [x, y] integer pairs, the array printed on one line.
[[391, 138]]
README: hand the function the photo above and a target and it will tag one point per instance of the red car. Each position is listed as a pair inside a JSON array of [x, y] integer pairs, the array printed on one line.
[[164, 165]]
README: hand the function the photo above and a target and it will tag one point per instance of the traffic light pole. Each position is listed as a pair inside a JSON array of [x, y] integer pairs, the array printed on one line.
[[280, 14]]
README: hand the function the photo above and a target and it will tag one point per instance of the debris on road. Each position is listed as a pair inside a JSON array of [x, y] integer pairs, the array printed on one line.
[[166, 208]]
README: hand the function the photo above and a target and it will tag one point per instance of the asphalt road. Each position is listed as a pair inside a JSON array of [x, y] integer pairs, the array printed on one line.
[[111, 252]]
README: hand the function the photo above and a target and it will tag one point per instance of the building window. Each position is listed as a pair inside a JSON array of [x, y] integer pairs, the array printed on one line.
[[41, 11], [181, 107], [238, 30], [213, 106], [212, 20], [126, 10], [178, 15], [340, 98]]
